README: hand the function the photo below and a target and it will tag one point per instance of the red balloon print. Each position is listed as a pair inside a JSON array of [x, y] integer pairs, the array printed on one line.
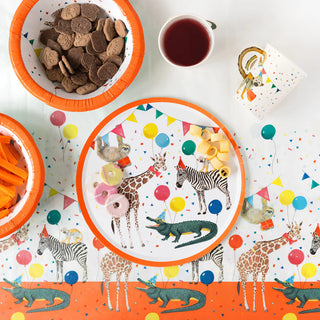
[[24, 257], [97, 244], [296, 256], [162, 193], [235, 241]]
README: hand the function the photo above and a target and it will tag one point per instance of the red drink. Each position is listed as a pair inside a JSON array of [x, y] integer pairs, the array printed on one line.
[[186, 42]]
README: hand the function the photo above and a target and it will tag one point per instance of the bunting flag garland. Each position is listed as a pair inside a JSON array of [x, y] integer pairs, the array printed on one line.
[[38, 52], [268, 80], [105, 138], [305, 176], [119, 131], [26, 35], [260, 74], [52, 192], [264, 193], [132, 118], [158, 114], [67, 201], [264, 72], [141, 107], [277, 182], [216, 129], [170, 120], [185, 127], [250, 200], [273, 86], [31, 41], [314, 183], [93, 145], [149, 106], [277, 90]]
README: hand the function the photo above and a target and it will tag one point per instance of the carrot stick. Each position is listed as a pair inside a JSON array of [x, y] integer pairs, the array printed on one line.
[[4, 213], [2, 152], [9, 204], [4, 200], [10, 157], [8, 190], [5, 139], [13, 150], [12, 168], [10, 178]]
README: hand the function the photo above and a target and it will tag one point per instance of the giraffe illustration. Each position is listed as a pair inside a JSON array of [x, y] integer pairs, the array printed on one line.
[[256, 260], [15, 239], [110, 264], [130, 186]]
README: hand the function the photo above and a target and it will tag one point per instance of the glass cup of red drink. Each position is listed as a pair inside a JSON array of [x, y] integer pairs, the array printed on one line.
[[186, 40]]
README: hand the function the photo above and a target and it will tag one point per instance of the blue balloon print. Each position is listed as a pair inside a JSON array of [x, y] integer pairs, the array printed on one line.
[[54, 217], [215, 207], [299, 203], [207, 277], [162, 140], [71, 277], [268, 132]]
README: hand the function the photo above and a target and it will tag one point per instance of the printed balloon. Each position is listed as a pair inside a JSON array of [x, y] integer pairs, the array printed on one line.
[[58, 118], [296, 257], [18, 316], [71, 277], [171, 272], [24, 257], [150, 130], [54, 217], [162, 193], [286, 197], [308, 270], [152, 316], [36, 270], [177, 204], [299, 203], [235, 241], [162, 140], [289, 316], [97, 244], [207, 277], [215, 207], [188, 147], [268, 132], [70, 131]]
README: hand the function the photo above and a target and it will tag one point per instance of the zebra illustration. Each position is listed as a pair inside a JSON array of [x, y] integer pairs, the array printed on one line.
[[202, 181], [64, 252], [216, 255], [315, 245]]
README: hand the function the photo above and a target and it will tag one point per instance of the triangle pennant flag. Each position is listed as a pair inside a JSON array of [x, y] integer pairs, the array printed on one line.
[[158, 114], [277, 90], [250, 200], [305, 176], [141, 107], [264, 193], [170, 120], [273, 86], [277, 182], [132, 118], [52, 192], [185, 127], [317, 231], [268, 80], [263, 71], [67, 201], [314, 184], [105, 138], [119, 131], [216, 129], [38, 52], [26, 35], [260, 74], [31, 41], [92, 145], [149, 106]]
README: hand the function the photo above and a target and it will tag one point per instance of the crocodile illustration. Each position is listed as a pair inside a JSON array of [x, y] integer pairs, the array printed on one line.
[[184, 227], [303, 295], [165, 295], [31, 295]]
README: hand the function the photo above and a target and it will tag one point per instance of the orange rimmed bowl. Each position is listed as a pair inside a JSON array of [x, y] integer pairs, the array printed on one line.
[[31, 191], [25, 49]]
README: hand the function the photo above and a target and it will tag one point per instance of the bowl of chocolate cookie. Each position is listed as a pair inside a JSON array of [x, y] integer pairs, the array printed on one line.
[[76, 56]]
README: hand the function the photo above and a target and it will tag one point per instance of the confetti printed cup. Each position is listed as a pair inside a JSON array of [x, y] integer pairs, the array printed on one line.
[[267, 79]]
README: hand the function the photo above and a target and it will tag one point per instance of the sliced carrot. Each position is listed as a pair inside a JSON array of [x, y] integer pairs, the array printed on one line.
[[8, 190], [9, 204], [10, 178], [4, 200], [10, 157], [14, 151], [2, 152], [13, 169], [4, 213], [5, 139]]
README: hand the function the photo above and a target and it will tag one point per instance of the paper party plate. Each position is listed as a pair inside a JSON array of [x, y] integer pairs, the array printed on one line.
[[156, 140]]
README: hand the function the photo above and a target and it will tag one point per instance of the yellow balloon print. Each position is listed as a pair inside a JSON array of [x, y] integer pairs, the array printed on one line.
[[150, 130], [152, 316], [289, 316], [286, 197], [17, 316], [177, 204], [36, 270], [70, 131], [308, 270], [171, 272]]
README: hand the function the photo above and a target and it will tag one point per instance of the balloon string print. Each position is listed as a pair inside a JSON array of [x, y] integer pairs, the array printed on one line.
[[235, 242], [267, 133]]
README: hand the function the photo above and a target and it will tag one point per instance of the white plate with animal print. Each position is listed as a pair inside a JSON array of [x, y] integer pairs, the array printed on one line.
[[160, 181]]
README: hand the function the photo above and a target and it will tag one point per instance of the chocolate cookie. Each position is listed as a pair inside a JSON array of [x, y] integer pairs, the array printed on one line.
[[63, 69], [54, 74], [54, 46], [81, 40], [109, 30], [100, 24], [71, 11], [103, 56], [87, 88], [63, 26], [90, 11], [47, 34], [68, 85], [67, 65], [87, 60], [89, 48], [66, 40], [74, 57], [49, 58], [107, 71], [120, 28], [81, 25], [115, 47], [98, 41], [116, 60], [79, 78], [93, 76]]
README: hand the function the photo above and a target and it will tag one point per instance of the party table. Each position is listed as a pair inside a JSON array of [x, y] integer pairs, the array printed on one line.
[[277, 164]]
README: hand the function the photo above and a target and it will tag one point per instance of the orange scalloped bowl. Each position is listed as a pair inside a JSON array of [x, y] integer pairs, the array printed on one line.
[[29, 158], [25, 51]]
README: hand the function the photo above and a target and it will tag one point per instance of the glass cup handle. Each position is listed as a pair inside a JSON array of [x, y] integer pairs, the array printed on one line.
[[212, 24]]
